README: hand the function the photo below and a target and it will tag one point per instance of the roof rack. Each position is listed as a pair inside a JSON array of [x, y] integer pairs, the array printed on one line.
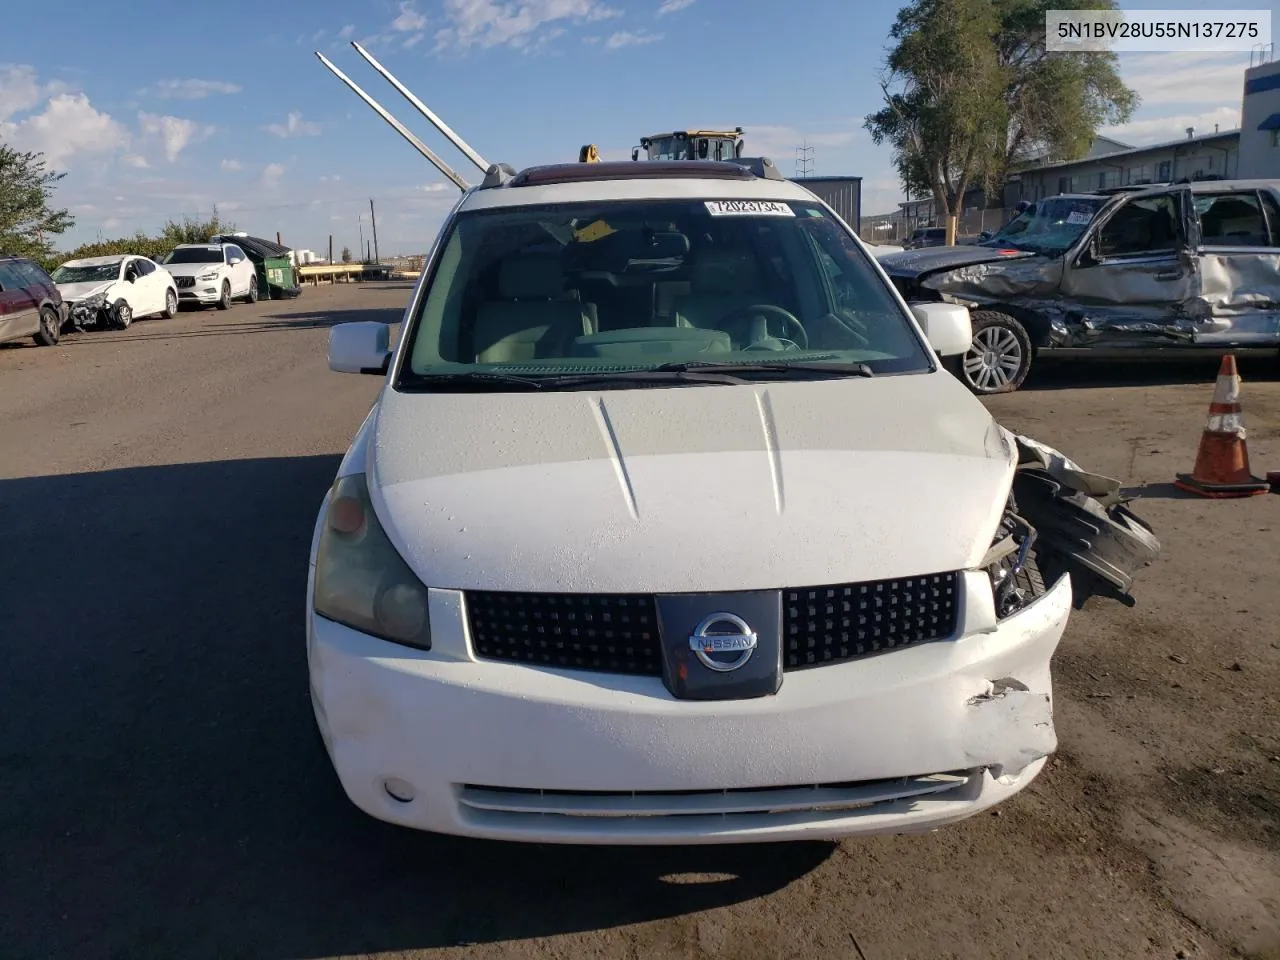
[[745, 168]]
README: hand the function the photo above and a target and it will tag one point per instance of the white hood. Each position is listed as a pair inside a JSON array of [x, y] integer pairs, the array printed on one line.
[[191, 269], [72, 292], [690, 489]]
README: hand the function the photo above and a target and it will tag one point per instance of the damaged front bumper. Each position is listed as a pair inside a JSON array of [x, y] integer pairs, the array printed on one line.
[[902, 742]]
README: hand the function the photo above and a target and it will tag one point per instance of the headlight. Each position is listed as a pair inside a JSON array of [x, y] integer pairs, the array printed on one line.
[[361, 581], [1011, 563], [95, 302], [209, 276]]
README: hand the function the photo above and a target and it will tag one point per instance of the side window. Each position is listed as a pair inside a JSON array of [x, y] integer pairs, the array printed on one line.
[[1231, 220], [10, 278], [32, 274], [144, 266], [234, 251], [1273, 217], [1145, 226]]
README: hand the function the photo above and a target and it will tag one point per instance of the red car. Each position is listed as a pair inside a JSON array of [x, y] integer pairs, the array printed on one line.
[[30, 304]]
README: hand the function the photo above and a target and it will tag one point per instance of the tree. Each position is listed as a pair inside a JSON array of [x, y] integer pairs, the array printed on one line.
[[346, 254], [970, 89], [28, 223], [943, 91], [1054, 102], [155, 247]]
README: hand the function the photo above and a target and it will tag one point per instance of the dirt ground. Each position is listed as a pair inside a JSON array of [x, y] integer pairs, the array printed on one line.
[[162, 792]]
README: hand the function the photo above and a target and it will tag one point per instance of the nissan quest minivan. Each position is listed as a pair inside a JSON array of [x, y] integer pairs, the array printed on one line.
[[668, 526]]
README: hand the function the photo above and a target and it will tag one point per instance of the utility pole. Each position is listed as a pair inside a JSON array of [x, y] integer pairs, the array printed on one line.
[[374, 220], [361, 247], [331, 249], [804, 160]]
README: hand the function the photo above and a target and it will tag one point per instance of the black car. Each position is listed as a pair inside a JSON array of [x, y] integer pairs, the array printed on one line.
[[30, 304]]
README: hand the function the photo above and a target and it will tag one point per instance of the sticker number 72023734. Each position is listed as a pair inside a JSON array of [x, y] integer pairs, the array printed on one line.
[[748, 208]]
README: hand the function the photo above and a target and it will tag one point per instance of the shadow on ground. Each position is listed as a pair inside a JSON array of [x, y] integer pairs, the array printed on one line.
[[1074, 374], [163, 791]]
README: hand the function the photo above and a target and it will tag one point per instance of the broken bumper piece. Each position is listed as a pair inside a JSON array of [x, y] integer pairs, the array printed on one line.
[[1081, 525], [902, 742]]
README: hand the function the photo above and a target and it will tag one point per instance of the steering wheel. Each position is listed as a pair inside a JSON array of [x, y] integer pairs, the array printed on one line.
[[758, 314]]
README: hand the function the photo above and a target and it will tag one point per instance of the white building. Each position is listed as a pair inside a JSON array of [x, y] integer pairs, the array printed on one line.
[[1260, 122]]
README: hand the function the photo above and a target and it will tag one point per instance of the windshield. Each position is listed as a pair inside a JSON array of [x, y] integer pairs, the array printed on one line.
[[1048, 226], [626, 286], [194, 255], [98, 273]]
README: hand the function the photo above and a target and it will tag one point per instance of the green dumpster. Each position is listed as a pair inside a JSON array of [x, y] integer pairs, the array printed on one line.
[[278, 278]]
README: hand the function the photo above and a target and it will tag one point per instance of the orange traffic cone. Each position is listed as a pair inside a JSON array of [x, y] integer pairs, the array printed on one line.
[[1222, 464]]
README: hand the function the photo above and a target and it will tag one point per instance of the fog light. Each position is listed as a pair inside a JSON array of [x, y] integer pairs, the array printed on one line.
[[398, 790]]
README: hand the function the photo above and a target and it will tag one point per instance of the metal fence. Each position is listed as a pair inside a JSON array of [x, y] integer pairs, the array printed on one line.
[[896, 227]]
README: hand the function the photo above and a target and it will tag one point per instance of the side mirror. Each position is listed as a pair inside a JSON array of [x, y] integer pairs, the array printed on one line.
[[635, 153], [946, 325], [233, 260], [363, 347]]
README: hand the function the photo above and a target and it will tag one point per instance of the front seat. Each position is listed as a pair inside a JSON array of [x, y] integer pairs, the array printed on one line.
[[720, 281], [531, 320]]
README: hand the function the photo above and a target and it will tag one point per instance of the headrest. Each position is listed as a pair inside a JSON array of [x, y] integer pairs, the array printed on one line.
[[532, 277], [721, 271]]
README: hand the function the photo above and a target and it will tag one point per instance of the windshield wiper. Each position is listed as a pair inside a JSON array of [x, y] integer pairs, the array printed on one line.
[[777, 367], [477, 380]]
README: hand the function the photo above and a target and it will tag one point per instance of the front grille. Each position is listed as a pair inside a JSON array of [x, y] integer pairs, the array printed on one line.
[[618, 633], [611, 633], [185, 281], [831, 624]]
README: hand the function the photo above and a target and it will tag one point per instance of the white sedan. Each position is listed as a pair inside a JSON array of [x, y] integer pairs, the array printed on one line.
[[116, 290]]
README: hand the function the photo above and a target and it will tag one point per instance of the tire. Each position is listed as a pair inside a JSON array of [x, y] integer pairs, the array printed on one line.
[[999, 357], [170, 304], [224, 301], [252, 296], [121, 315], [50, 327]]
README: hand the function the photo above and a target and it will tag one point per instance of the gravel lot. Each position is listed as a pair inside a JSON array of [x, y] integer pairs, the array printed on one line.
[[163, 793]]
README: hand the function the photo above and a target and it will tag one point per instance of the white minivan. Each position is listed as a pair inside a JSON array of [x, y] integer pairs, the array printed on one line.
[[668, 526]]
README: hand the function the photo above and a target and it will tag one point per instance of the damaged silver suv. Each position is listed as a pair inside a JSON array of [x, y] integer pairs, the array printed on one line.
[[1150, 273]]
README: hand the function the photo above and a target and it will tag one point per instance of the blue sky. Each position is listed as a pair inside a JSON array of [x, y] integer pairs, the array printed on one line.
[[177, 107]]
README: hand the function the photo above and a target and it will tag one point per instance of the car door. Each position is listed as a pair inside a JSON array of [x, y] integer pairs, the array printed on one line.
[[1239, 254], [151, 290], [19, 309], [241, 270], [1134, 274]]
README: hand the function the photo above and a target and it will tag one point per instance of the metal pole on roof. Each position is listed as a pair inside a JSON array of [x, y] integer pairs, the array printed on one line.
[[422, 108], [396, 125]]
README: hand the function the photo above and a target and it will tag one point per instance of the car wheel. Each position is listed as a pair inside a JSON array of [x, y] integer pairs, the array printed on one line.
[[122, 315], [999, 356], [253, 291], [170, 304], [224, 301], [50, 327]]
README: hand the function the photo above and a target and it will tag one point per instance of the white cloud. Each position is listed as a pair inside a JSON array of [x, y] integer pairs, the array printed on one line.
[[271, 174], [414, 40], [334, 179], [294, 126], [232, 165], [67, 126], [409, 20], [438, 187], [1180, 77], [175, 133], [347, 32], [136, 161], [779, 143], [20, 90], [671, 6], [625, 38], [493, 23], [1160, 129], [193, 89]]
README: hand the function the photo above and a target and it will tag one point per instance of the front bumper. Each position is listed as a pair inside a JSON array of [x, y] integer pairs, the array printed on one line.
[[204, 291], [896, 743]]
